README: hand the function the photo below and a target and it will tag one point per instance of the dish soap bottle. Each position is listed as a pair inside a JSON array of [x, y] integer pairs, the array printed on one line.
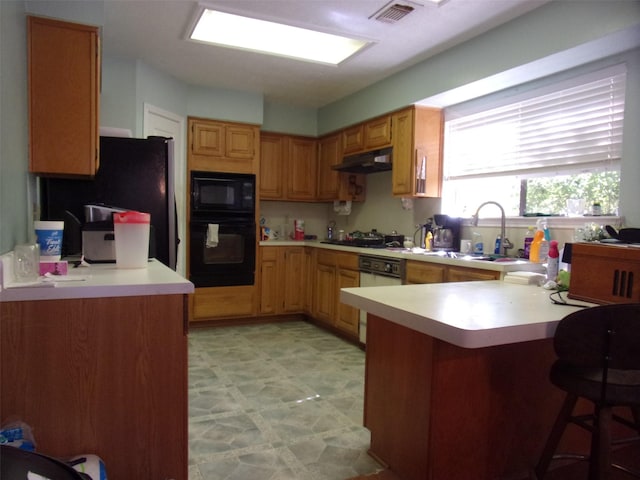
[[553, 261], [528, 238], [534, 253], [496, 250]]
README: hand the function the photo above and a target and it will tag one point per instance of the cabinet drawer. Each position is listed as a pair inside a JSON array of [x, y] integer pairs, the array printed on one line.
[[224, 302], [455, 274], [269, 253], [418, 272], [348, 261], [327, 258]]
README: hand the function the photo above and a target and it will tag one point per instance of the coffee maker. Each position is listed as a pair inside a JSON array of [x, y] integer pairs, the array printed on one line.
[[446, 233]]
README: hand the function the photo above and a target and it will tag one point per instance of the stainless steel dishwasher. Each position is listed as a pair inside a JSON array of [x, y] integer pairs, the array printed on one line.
[[378, 271]]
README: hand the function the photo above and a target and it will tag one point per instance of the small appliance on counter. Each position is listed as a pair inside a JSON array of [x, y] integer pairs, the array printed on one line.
[[98, 239], [446, 233]]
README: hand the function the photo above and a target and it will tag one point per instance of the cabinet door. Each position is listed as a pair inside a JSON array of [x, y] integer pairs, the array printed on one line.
[[272, 166], [208, 139], [377, 133], [421, 272], [86, 403], [270, 296], [353, 139], [294, 276], [456, 274], [325, 293], [329, 154], [301, 169], [427, 155], [401, 174], [310, 279], [63, 70], [417, 152], [239, 142], [348, 317]]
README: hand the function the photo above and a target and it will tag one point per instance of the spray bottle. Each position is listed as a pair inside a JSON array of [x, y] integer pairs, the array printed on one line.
[[553, 261]]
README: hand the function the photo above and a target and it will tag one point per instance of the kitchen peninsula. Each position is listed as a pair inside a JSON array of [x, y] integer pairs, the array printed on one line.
[[97, 363], [456, 382]]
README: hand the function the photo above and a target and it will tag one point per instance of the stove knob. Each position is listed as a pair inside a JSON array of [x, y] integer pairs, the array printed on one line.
[[388, 268]]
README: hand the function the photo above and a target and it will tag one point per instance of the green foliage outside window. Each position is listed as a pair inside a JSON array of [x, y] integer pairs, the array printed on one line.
[[550, 194]]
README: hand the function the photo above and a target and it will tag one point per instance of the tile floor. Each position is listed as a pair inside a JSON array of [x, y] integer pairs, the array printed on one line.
[[275, 402]]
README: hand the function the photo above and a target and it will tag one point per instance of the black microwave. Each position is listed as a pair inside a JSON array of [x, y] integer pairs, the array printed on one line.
[[218, 192]]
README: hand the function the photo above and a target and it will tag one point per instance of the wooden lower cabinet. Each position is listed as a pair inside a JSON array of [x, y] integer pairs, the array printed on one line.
[[462, 274], [425, 272], [325, 299], [347, 317], [106, 376], [336, 270], [282, 278], [441, 412], [211, 303]]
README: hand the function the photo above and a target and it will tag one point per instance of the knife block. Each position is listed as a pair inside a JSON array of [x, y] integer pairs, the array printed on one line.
[[605, 273]]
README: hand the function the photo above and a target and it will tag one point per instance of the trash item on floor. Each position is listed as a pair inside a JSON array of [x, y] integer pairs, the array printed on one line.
[[17, 434]]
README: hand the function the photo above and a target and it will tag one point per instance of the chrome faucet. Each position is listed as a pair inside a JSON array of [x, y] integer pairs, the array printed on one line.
[[505, 244]]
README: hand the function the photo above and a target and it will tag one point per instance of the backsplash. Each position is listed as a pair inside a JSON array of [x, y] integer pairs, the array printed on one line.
[[381, 211]]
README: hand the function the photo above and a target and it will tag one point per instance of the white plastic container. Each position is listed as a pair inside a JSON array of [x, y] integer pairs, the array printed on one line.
[[131, 232], [478, 244], [49, 238]]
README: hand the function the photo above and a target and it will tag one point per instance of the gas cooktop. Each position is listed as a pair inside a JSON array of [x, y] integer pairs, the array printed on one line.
[[358, 242]]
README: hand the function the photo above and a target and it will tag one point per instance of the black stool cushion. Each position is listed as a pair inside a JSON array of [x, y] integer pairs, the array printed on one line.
[[623, 386]]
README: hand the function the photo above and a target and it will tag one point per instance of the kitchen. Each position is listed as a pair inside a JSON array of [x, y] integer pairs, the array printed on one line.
[[192, 101]]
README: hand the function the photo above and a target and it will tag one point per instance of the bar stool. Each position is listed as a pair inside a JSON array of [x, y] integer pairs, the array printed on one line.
[[598, 358]]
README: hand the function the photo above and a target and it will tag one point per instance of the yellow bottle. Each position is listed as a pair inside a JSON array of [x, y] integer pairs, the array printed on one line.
[[534, 253]]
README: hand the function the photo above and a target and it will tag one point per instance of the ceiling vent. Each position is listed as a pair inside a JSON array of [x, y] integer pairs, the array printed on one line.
[[392, 12]]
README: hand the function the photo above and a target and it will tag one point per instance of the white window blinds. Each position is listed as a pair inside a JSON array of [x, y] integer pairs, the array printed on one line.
[[574, 128]]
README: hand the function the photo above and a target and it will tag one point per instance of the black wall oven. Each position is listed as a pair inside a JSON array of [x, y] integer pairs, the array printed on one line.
[[222, 230]]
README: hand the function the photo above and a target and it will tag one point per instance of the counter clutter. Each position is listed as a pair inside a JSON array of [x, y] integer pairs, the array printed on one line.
[[97, 280]]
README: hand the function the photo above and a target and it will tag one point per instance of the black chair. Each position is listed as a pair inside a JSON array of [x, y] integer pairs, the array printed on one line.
[[16, 464], [598, 352]]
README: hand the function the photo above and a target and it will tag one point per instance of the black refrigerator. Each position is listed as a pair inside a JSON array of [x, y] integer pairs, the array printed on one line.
[[133, 174]]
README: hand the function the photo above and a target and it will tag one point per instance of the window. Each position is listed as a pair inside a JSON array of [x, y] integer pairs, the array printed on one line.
[[540, 151]]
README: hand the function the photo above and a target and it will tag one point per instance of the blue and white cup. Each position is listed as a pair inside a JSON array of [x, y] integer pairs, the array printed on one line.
[[49, 237]]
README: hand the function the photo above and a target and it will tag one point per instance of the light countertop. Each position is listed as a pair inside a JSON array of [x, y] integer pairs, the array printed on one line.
[[466, 314], [97, 280], [513, 265]]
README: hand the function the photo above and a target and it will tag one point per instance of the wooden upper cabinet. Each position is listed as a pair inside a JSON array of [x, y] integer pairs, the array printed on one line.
[[288, 167], [370, 135], [63, 76], [329, 154], [417, 152], [353, 139], [301, 171], [377, 133], [208, 139], [334, 185], [223, 146], [272, 166]]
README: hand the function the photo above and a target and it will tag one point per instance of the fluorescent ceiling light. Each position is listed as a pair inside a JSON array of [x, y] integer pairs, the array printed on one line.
[[246, 33]]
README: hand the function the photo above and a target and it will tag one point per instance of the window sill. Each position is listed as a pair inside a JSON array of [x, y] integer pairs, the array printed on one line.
[[552, 222]]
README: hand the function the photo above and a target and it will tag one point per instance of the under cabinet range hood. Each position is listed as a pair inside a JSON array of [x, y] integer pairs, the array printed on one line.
[[368, 162]]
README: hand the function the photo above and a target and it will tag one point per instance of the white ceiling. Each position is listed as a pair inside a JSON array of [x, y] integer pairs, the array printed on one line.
[[155, 32]]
